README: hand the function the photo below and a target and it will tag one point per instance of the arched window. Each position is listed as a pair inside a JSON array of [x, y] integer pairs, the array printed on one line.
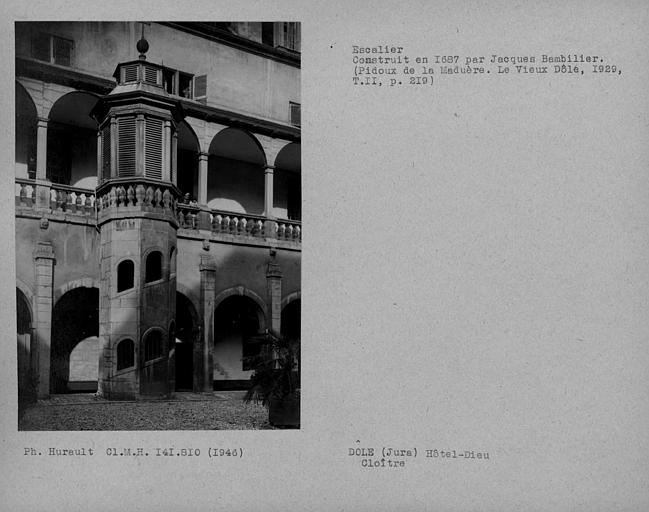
[[125, 272], [153, 267], [125, 354], [153, 345]]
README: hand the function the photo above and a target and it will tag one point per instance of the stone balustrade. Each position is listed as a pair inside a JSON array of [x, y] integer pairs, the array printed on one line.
[[64, 198], [288, 230], [25, 193], [237, 224], [72, 200], [187, 216], [144, 195]]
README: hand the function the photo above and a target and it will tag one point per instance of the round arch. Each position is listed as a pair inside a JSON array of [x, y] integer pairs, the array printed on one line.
[[238, 144], [27, 292], [290, 298], [83, 282], [235, 179], [24, 320], [187, 160], [187, 331], [238, 321], [287, 187], [74, 354], [242, 291], [290, 157], [72, 141], [291, 322], [189, 294]]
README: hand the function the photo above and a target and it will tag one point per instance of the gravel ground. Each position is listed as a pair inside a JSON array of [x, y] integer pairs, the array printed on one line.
[[225, 411]]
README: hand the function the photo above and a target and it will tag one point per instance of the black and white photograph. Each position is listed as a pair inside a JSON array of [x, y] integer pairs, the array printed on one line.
[[427, 290], [158, 225]]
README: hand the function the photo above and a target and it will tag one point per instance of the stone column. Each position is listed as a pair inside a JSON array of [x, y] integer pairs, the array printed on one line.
[[139, 145], [274, 287], [43, 299], [41, 149], [203, 349], [202, 178], [42, 188], [166, 151], [204, 220], [269, 223], [174, 158]]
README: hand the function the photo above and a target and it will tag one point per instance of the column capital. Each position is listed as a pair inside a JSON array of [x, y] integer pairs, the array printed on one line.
[[207, 264], [273, 270], [269, 168], [203, 155], [44, 250]]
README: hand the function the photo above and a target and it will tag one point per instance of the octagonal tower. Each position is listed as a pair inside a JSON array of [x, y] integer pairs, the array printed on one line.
[[136, 199]]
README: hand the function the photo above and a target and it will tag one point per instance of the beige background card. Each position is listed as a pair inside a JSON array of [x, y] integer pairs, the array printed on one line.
[[474, 274]]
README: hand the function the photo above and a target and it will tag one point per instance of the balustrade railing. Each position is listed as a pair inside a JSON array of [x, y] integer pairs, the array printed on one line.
[[143, 195], [64, 198], [187, 216], [237, 224], [288, 230], [25, 193]]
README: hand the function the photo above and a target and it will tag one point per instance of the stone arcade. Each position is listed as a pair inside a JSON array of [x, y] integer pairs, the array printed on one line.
[[158, 211]]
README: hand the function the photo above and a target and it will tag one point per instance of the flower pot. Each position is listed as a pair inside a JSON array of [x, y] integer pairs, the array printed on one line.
[[284, 412]]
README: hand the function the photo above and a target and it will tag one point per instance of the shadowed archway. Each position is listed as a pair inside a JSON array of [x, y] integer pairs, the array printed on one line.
[[74, 351]]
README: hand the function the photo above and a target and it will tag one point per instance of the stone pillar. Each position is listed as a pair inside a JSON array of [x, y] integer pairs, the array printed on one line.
[[203, 349], [139, 145], [269, 223], [274, 287], [174, 158], [166, 151], [42, 186], [43, 299], [41, 149], [202, 178]]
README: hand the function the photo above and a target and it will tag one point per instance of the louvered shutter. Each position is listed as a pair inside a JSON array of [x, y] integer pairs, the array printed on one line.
[[153, 148], [130, 73], [294, 114], [151, 75], [200, 88], [126, 147]]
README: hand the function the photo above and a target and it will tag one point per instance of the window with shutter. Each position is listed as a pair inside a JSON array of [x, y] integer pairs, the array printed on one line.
[[153, 148], [151, 75], [294, 114], [130, 73], [200, 89], [126, 146], [61, 51], [52, 49], [287, 35]]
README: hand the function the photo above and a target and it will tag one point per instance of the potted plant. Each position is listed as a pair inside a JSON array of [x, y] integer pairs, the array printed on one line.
[[275, 381]]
